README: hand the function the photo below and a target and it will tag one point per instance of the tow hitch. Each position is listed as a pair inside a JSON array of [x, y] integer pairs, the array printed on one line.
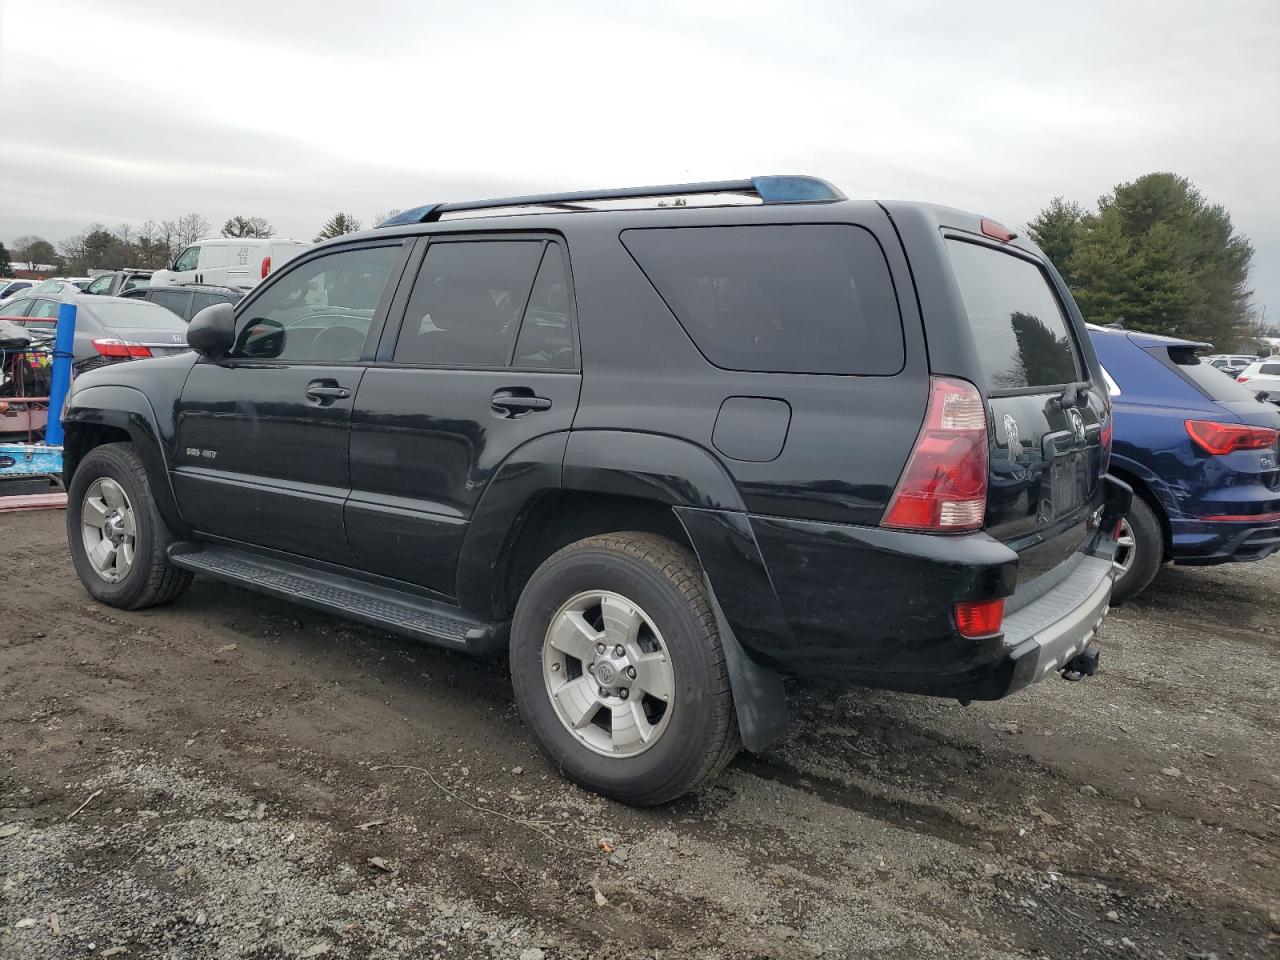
[[1083, 664]]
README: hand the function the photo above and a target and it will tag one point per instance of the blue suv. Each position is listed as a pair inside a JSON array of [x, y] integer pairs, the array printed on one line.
[[1199, 451]]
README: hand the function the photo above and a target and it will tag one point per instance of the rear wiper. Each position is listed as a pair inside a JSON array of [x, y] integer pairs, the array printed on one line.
[[1072, 396]]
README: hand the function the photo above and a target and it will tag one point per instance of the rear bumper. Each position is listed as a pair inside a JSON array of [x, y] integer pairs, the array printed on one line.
[[1204, 543], [1042, 637]]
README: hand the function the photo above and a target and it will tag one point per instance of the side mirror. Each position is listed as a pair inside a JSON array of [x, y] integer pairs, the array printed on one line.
[[212, 332]]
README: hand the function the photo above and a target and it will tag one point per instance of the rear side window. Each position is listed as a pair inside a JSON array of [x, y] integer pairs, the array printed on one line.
[[810, 298], [1018, 326], [1270, 370], [467, 303], [1208, 379], [176, 300]]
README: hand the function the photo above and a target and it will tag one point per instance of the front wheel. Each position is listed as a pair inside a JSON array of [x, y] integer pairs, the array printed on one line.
[[618, 668], [118, 539]]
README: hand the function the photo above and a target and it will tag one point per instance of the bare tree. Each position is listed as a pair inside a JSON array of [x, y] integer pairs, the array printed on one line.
[[385, 215], [187, 230], [248, 227]]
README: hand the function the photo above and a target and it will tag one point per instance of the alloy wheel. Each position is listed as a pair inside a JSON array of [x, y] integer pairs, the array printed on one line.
[[608, 674], [1126, 549], [109, 529]]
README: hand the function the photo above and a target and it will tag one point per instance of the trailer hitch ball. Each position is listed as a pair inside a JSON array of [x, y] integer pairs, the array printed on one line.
[[1083, 664]]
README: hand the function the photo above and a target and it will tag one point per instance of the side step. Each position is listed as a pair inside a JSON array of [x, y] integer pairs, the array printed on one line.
[[378, 606]]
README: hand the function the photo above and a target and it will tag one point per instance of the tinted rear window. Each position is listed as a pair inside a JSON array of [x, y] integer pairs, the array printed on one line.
[[812, 298], [1018, 325], [1213, 383], [137, 314]]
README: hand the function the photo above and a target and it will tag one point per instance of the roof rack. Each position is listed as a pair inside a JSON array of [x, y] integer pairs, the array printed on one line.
[[773, 189]]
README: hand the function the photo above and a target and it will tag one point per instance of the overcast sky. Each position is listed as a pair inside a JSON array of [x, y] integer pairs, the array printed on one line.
[[115, 111]]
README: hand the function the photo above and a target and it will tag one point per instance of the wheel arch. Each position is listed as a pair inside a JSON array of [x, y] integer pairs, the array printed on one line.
[[110, 414], [614, 481], [1151, 489]]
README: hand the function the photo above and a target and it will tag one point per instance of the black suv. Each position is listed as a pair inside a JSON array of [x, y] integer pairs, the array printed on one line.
[[662, 458], [188, 299]]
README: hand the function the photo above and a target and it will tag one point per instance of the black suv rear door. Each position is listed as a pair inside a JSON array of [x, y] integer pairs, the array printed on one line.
[[263, 435], [1048, 415], [484, 360]]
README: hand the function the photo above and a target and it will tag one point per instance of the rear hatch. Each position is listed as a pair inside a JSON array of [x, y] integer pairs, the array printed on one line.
[[140, 322], [1046, 441]]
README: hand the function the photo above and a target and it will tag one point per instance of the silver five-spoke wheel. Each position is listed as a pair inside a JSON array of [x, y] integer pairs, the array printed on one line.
[[608, 673], [1126, 547], [108, 527]]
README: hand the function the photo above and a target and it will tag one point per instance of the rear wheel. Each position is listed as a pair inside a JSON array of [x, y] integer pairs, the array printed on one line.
[[1139, 552], [618, 669], [118, 539]]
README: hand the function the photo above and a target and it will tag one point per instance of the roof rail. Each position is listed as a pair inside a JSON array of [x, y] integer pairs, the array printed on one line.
[[773, 189]]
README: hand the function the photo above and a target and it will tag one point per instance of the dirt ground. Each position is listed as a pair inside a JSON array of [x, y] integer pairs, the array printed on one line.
[[234, 776]]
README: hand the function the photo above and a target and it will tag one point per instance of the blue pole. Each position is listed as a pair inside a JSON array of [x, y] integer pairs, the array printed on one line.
[[63, 351]]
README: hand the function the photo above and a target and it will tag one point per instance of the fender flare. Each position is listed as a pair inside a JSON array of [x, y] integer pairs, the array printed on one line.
[[128, 409], [707, 504]]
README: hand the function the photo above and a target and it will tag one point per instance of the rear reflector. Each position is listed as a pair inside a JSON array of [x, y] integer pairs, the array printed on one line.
[[1245, 517], [266, 267], [944, 486], [997, 231], [111, 347], [1220, 438], [979, 618]]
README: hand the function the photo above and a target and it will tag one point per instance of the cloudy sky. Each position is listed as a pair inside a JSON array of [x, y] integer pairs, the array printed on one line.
[[120, 112]]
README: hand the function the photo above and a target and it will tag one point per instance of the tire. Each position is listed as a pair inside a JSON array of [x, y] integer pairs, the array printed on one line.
[[693, 734], [149, 580], [1147, 552]]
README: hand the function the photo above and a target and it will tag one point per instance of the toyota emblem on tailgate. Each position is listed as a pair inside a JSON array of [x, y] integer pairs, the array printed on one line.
[[1077, 424]]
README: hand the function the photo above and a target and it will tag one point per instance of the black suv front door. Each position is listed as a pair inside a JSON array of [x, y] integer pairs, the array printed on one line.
[[483, 360], [263, 435]]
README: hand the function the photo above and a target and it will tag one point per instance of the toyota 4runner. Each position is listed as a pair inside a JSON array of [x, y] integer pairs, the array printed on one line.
[[661, 457]]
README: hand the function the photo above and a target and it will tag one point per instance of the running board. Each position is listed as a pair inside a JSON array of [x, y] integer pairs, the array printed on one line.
[[378, 606]]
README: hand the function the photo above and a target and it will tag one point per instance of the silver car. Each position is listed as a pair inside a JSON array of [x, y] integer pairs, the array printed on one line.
[[108, 329]]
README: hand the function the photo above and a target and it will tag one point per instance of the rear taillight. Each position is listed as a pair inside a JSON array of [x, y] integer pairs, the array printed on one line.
[[266, 267], [1242, 379], [111, 347], [1108, 434], [1220, 438], [979, 618], [944, 486]]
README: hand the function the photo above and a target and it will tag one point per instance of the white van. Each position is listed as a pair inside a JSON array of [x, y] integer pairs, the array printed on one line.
[[231, 262]]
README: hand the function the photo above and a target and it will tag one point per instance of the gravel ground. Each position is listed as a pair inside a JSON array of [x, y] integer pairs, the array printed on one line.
[[233, 776]]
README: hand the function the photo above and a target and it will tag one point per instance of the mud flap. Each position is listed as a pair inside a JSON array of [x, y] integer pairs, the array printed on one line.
[[759, 696]]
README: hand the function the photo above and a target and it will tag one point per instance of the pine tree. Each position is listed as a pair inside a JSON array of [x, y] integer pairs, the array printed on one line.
[[336, 226], [1157, 256]]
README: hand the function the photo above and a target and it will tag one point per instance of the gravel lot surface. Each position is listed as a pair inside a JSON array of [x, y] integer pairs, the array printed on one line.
[[234, 776]]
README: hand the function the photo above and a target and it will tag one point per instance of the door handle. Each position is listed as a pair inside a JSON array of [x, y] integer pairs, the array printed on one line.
[[518, 402], [326, 391]]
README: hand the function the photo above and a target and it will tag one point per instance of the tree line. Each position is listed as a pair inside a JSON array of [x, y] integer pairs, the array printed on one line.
[[151, 245], [1154, 255]]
